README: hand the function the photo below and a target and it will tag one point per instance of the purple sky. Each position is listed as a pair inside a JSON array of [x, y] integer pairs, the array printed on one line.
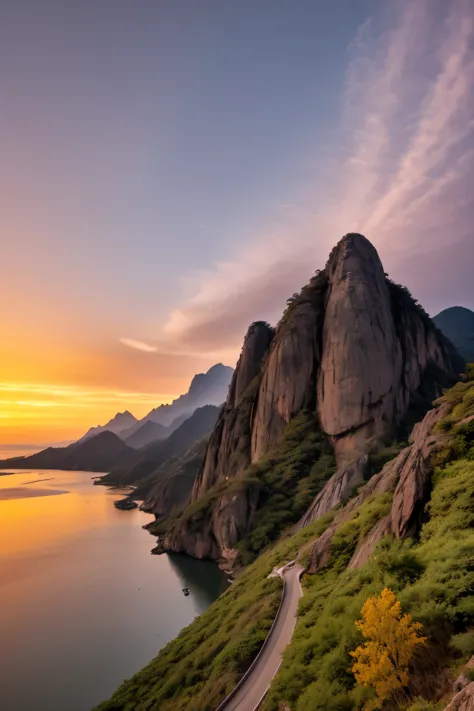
[[173, 170]]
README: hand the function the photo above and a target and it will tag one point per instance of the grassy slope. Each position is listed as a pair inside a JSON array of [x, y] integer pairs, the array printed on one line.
[[433, 576], [201, 666]]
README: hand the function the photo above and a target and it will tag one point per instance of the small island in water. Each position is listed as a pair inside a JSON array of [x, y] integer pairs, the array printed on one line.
[[125, 504]]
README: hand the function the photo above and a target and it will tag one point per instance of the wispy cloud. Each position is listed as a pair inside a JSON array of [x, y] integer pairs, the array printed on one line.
[[73, 396], [402, 172], [138, 345]]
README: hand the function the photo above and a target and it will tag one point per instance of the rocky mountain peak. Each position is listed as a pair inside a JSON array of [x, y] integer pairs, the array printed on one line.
[[256, 343], [208, 388], [228, 452], [362, 360], [118, 424], [354, 354], [354, 247]]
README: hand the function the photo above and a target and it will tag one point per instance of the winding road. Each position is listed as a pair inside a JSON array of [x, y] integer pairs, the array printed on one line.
[[249, 694]]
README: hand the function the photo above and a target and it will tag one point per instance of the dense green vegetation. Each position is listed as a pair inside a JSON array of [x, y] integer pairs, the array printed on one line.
[[287, 479], [433, 576], [290, 476], [348, 536]]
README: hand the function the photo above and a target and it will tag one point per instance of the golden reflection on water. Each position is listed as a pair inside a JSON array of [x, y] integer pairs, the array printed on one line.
[[83, 604], [34, 524]]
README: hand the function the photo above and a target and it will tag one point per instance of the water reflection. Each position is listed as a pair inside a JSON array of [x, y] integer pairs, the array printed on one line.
[[83, 603], [203, 578]]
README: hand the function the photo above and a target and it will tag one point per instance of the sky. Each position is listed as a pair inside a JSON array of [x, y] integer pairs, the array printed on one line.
[[174, 170]]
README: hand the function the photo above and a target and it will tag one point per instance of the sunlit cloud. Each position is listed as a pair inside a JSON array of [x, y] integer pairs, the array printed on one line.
[[31, 412], [73, 396], [401, 172], [138, 345]]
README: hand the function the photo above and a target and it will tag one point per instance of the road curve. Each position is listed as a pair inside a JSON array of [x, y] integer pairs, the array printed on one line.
[[254, 686]]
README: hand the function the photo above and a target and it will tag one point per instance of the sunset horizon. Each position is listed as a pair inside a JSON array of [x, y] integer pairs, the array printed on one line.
[[237, 355], [154, 236]]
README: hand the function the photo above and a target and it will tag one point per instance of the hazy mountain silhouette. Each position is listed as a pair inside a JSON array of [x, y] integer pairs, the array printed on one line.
[[147, 432], [206, 389], [98, 453], [457, 323], [118, 424], [147, 460]]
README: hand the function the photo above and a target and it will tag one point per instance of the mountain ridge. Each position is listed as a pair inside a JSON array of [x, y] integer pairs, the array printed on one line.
[[358, 355], [208, 388], [147, 460], [97, 453], [117, 424]]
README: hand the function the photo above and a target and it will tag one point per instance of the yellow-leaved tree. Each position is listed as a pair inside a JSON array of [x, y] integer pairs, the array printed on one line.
[[391, 639]]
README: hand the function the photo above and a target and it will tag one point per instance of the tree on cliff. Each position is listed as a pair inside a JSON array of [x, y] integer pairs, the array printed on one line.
[[381, 663]]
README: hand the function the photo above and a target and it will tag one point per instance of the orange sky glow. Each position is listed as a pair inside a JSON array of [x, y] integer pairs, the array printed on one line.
[[162, 188], [51, 393]]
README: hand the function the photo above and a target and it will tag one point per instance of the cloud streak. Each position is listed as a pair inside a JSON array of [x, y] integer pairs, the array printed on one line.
[[46, 395], [400, 173], [138, 345]]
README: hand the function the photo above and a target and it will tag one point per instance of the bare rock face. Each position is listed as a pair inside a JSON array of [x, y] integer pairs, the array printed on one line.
[[287, 383], [321, 550], [464, 700], [228, 453], [217, 528], [377, 350], [362, 360], [337, 489], [256, 343], [408, 476], [354, 349], [413, 484]]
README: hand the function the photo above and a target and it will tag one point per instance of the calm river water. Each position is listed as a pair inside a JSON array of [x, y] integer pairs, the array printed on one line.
[[83, 604]]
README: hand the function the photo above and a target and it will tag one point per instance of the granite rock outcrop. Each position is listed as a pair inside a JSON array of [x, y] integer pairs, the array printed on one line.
[[354, 349]]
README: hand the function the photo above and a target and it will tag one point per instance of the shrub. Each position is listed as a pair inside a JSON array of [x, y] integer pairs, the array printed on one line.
[[463, 643]]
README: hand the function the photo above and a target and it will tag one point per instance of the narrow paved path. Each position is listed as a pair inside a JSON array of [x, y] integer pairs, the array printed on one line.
[[256, 684]]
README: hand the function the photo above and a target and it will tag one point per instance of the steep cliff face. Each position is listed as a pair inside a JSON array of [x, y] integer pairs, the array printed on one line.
[[228, 452], [358, 381], [354, 349], [174, 482], [216, 528], [287, 381]]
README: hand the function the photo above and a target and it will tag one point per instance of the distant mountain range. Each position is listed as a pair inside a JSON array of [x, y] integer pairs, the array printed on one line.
[[457, 323], [146, 433], [122, 422], [133, 448], [148, 459], [206, 389], [209, 388], [97, 454]]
